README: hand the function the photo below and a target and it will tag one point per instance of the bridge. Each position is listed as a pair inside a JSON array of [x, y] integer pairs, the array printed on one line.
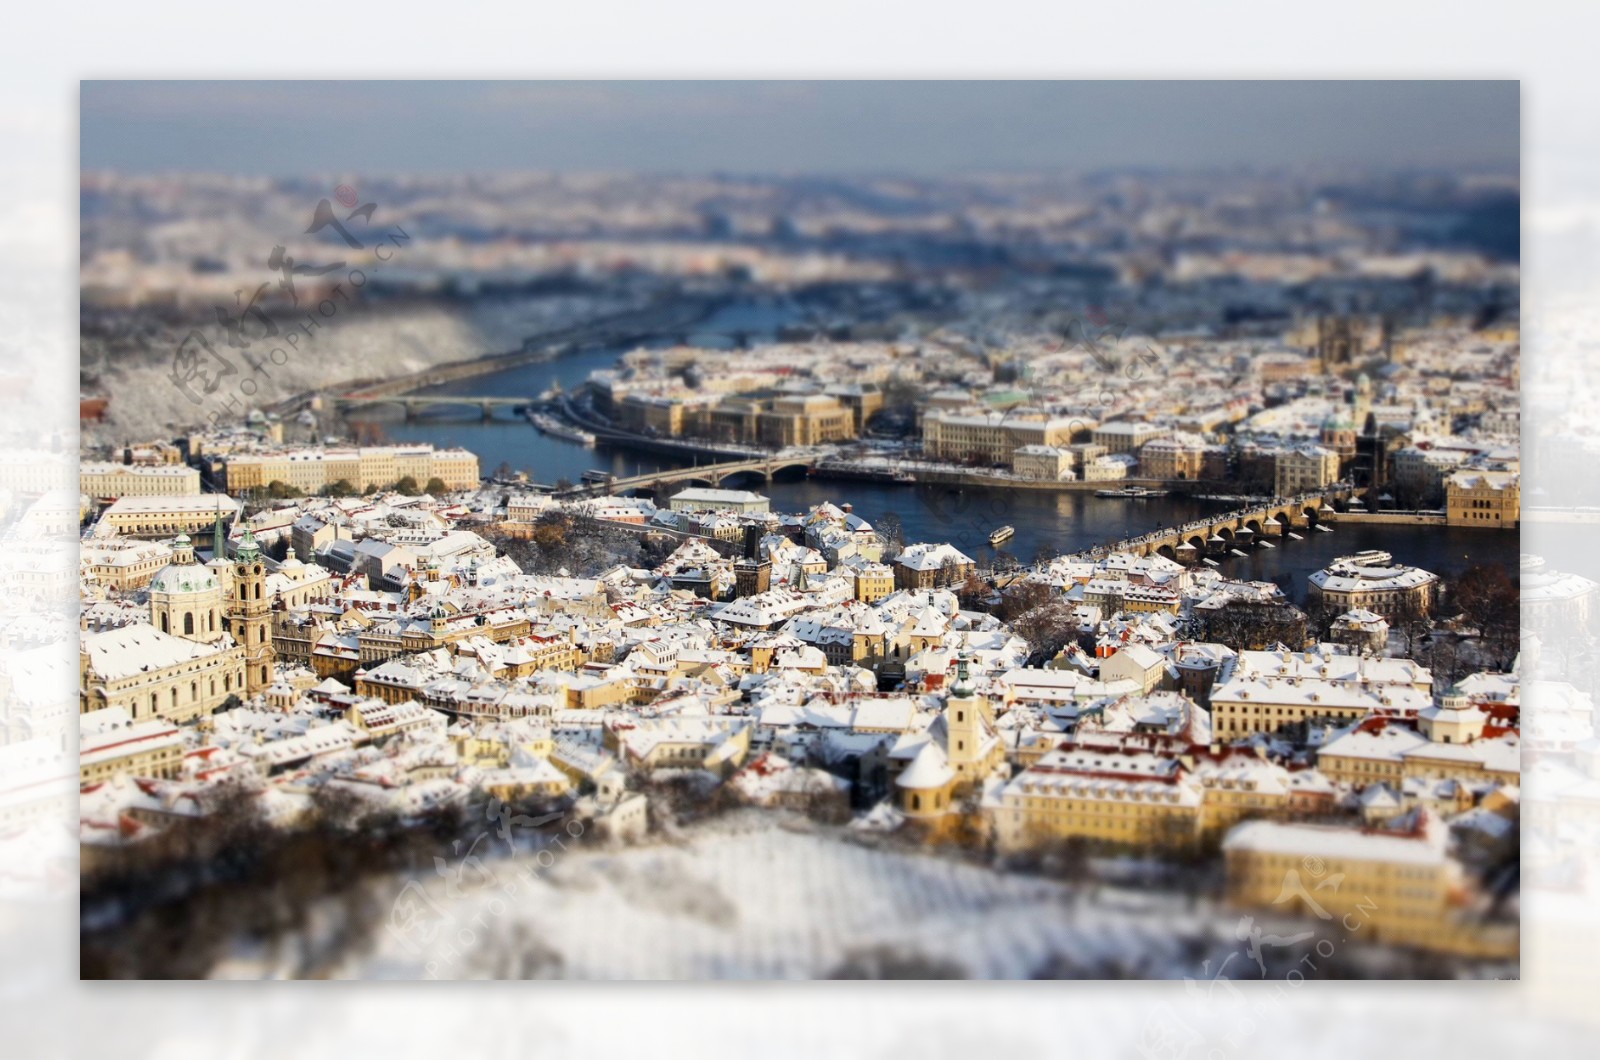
[[705, 474], [414, 404], [1219, 534]]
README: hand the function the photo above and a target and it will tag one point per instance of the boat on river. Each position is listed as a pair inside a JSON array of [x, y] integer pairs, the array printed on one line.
[[555, 428], [1131, 493]]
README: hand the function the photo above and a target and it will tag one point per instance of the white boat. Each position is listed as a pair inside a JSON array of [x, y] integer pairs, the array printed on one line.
[[557, 429], [1323, 529], [1267, 544], [1236, 552], [1296, 536], [1005, 533]]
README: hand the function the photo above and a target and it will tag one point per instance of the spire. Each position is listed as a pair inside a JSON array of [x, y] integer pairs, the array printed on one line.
[[219, 536]]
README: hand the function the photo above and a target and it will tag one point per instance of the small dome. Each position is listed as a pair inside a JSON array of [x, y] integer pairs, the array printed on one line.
[[1338, 421], [183, 578]]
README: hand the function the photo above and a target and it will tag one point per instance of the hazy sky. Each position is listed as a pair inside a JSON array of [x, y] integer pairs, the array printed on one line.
[[929, 127]]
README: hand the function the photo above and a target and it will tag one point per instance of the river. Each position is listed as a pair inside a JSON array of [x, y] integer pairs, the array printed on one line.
[[1064, 522]]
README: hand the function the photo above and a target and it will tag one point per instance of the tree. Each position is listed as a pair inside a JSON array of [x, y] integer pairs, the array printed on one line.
[[279, 490], [1022, 596], [1048, 629], [891, 533], [1412, 618], [407, 485], [435, 486], [1445, 658], [1248, 625], [900, 392], [1489, 602], [973, 592], [342, 488], [1320, 615]]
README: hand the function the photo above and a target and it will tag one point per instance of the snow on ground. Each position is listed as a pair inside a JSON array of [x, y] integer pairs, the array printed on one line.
[[747, 898]]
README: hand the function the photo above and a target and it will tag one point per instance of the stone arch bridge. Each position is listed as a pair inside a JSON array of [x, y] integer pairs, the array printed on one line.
[[762, 468], [1221, 533]]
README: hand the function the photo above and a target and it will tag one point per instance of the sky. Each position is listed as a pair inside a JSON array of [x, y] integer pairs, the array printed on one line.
[[916, 128]]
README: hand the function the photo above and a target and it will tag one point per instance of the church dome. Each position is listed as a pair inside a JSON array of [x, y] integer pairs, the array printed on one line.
[[184, 578], [183, 574]]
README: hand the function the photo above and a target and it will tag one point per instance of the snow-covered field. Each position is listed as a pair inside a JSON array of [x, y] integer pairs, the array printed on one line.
[[748, 898], [365, 342]]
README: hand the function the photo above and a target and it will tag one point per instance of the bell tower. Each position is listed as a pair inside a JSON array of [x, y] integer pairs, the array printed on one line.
[[966, 718], [249, 619]]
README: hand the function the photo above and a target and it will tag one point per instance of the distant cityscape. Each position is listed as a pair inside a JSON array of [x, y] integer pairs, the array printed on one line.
[[629, 521]]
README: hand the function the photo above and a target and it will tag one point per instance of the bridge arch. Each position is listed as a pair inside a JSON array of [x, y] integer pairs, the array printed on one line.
[[1312, 514], [347, 405], [793, 471], [1167, 551], [747, 477]]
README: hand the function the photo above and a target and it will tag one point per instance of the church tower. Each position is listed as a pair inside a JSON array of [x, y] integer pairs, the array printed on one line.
[[186, 597], [1337, 343], [967, 720], [250, 618]]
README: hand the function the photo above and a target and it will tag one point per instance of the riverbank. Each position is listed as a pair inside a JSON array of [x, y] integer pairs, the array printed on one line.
[[634, 326], [1394, 519]]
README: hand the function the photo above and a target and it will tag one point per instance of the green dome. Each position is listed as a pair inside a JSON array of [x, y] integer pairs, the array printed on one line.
[[183, 578]]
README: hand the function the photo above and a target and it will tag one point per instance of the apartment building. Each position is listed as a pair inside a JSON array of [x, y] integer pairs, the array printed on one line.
[[106, 481], [1491, 499], [167, 515], [1049, 463], [1122, 436], [1397, 887], [989, 437], [309, 471], [1303, 468], [1372, 581], [1182, 456], [110, 743]]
